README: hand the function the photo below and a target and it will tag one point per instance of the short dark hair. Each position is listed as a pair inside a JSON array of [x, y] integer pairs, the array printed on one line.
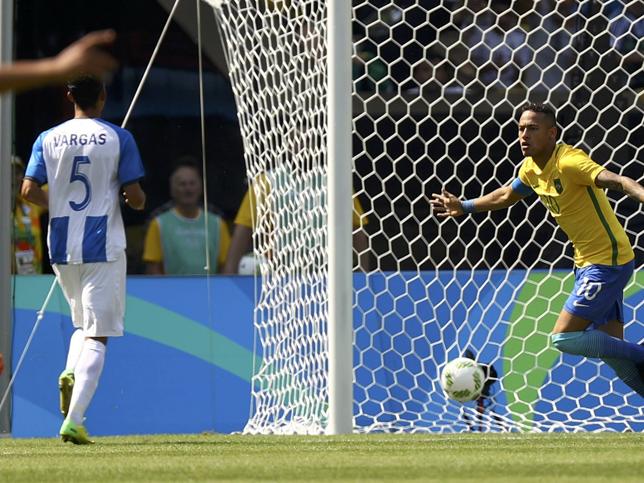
[[186, 161], [545, 109], [85, 90]]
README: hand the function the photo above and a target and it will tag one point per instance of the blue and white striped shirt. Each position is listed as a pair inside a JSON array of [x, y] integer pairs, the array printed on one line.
[[85, 162]]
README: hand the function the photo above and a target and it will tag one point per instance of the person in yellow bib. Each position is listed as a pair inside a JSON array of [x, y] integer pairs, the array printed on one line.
[[175, 242], [571, 185], [242, 237], [27, 234]]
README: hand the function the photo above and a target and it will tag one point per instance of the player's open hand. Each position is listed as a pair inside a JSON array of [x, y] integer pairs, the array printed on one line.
[[85, 56], [446, 204]]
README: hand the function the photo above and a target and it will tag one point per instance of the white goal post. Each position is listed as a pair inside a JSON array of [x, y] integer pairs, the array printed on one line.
[[436, 87]]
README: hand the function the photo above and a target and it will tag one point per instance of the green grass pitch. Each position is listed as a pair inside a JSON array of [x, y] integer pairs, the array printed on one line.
[[378, 457]]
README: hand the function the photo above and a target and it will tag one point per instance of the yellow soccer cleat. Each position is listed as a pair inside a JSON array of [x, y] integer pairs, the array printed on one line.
[[65, 387], [76, 433]]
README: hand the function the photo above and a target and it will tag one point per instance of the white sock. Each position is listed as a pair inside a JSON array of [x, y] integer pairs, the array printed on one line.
[[75, 347], [87, 373]]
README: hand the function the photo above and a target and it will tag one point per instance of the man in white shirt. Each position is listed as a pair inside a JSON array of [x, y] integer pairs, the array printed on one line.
[[87, 163]]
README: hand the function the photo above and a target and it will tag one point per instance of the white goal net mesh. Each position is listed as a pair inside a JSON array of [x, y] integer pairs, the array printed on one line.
[[436, 88]]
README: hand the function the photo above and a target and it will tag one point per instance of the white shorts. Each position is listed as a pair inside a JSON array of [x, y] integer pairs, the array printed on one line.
[[96, 295]]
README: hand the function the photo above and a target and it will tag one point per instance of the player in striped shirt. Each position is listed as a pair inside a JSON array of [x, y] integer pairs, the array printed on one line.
[[87, 163], [570, 185]]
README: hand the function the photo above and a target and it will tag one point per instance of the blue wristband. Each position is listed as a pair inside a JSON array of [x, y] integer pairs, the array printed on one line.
[[468, 206]]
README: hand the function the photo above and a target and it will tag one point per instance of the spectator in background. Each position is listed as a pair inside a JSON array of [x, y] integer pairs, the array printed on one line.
[[423, 73], [434, 77], [370, 72], [27, 238], [494, 46], [549, 43], [242, 238], [83, 56], [175, 242], [627, 30]]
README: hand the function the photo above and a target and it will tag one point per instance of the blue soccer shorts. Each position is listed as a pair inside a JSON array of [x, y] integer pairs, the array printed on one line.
[[598, 295]]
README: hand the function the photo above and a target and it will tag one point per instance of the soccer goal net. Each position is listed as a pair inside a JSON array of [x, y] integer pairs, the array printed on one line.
[[436, 88]]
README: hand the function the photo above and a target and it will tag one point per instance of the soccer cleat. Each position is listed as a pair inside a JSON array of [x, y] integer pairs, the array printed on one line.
[[65, 387], [76, 433]]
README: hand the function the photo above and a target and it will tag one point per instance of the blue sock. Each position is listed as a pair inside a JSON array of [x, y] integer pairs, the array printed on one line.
[[598, 344], [627, 372]]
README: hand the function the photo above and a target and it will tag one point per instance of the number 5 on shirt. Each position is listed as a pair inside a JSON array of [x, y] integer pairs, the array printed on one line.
[[78, 176]]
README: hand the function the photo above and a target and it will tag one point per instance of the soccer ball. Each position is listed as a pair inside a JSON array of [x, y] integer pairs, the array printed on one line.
[[462, 379]]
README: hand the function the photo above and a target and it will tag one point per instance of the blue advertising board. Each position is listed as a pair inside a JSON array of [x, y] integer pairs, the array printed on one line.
[[186, 361]]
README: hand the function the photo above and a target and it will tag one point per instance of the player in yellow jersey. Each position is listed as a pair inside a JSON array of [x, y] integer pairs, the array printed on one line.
[[570, 185]]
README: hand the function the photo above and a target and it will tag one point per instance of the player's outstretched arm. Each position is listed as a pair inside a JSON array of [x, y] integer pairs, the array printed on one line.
[[608, 179], [446, 204], [82, 57]]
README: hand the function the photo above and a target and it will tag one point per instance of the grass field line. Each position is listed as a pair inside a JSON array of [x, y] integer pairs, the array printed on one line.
[[367, 457]]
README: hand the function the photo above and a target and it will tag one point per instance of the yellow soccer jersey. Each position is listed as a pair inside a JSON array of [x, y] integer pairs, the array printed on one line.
[[567, 188], [245, 213]]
